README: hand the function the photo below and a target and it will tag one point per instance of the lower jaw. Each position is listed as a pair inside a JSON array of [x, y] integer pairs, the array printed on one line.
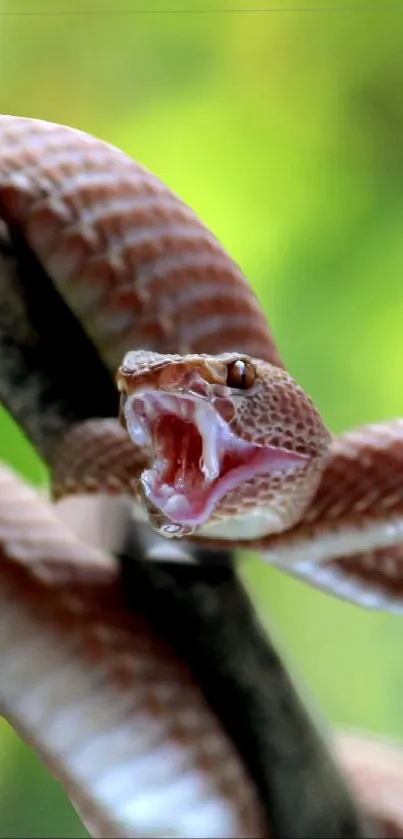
[[255, 524], [159, 521], [186, 517], [158, 547]]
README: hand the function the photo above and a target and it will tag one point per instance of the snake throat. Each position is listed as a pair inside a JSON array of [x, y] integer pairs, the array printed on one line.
[[196, 458]]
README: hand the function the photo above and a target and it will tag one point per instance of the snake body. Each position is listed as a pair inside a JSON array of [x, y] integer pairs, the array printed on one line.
[[153, 289], [111, 709], [136, 272]]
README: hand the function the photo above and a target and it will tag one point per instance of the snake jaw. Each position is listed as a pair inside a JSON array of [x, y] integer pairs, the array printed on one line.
[[197, 459]]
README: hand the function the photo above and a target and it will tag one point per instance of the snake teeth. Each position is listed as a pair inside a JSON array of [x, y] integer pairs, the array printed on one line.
[[209, 432], [140, 414], [136, 426], [198, 412]]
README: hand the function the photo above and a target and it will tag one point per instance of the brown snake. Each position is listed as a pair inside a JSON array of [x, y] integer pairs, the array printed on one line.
[[256, 464], [223, 448]]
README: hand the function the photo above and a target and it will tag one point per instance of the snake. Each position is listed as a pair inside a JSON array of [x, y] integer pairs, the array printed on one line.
[[217, 450], [224, 447]]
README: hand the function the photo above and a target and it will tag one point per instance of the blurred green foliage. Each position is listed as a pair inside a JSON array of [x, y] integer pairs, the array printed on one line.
[[284, 131]]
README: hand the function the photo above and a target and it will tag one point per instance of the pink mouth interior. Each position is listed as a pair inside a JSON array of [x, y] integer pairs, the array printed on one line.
[[197, 459]]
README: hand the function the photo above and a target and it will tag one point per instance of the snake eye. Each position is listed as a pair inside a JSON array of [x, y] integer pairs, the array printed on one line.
[[240, 375]]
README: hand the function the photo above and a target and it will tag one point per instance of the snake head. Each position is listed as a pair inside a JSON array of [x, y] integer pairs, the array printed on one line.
[[235, 445]]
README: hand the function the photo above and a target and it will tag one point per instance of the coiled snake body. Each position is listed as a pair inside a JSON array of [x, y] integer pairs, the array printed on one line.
[[223, 447]]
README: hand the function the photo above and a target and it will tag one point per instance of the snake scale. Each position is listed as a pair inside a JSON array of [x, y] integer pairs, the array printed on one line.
[[108, 275]]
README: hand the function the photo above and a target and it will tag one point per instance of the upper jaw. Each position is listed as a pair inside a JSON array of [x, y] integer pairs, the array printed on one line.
[[147, 370]]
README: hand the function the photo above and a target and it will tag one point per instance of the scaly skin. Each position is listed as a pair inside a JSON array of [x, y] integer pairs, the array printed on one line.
[[112, 711], [141, 273]]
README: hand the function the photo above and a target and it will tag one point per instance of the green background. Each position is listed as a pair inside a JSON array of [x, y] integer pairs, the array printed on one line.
[[284, 130]]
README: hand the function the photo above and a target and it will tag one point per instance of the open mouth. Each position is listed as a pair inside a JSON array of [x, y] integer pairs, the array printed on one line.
[[197, 460]]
